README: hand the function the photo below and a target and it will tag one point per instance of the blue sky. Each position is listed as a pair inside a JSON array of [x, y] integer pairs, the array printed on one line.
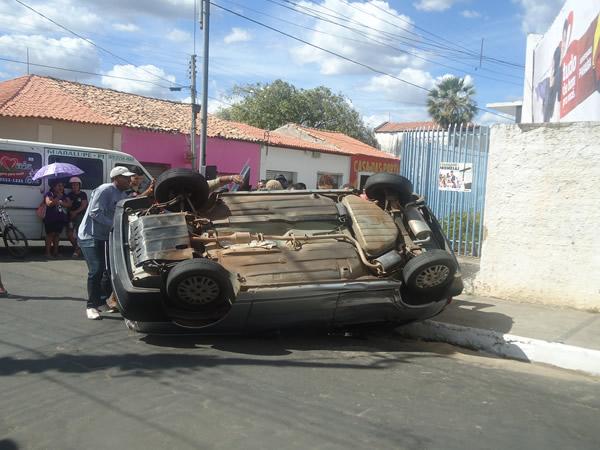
[[149, 42]]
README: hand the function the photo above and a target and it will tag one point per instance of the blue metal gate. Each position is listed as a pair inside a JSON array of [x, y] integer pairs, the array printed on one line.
[[448, 167]]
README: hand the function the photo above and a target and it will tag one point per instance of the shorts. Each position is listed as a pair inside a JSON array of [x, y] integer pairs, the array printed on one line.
[[54, 227]]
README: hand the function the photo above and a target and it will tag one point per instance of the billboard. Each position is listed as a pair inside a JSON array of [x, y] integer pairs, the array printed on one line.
[[563, 79], [457, 177]]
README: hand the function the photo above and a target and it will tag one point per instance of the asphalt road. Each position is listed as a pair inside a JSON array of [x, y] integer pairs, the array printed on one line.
[[70, 383]]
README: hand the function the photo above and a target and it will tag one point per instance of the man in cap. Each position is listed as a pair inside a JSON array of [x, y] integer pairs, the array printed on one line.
[[93, 234]]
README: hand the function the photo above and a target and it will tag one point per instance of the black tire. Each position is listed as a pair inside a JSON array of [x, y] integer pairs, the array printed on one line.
[[15, 241], [379, 185], [429, 272], [174, 182], [200, 285]]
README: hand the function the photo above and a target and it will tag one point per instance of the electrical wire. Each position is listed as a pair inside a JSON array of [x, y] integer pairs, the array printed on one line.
[[345, 58], [92, 42], [85, 72], [383, 44]]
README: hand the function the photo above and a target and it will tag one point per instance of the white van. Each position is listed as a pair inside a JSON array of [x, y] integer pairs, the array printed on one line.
[[20, 160]]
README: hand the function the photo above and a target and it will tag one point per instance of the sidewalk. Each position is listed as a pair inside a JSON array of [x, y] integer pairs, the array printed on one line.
[[561, 337]]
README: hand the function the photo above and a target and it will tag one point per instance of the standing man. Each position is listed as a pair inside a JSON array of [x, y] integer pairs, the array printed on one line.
[[94, 230]]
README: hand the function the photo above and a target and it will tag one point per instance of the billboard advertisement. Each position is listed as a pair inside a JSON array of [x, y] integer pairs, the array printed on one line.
[[565, 67], [457, 177]]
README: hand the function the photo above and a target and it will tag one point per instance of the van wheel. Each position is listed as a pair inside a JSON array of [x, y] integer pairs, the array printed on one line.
[[186, 182], [378, 186], [200, 285]]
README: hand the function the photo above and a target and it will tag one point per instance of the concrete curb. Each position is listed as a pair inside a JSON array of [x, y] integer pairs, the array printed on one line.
[[507, 345]]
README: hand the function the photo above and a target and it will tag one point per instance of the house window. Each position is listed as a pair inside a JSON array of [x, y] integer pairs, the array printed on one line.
[[326, 177], [291, 177], [92, 176], [19, 167]]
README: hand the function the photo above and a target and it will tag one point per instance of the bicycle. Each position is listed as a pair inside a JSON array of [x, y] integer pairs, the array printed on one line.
[[14, 239]]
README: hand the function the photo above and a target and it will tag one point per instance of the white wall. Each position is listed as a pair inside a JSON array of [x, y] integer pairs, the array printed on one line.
[[305, 163], [542, 215], [390, 142]]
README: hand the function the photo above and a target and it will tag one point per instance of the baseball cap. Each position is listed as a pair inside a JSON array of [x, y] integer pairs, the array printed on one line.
[[121, 171], [75, 180]]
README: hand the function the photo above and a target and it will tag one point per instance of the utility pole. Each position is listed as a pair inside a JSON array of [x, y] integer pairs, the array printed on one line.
[[481, 54], [204, 23], [194, 111], [27, 60]]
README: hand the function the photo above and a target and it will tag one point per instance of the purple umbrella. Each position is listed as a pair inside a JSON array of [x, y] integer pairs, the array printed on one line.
[[57, 170]]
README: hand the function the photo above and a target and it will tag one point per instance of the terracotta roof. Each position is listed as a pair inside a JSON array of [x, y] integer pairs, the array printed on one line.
[[51, 98], [344, 143], [394, 127]]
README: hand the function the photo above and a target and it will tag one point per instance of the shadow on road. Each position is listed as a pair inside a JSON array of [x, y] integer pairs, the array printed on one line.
[[25, 298], [8, 444], [373, 352]]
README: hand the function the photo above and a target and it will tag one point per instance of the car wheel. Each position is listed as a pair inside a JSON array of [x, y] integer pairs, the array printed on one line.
[[185, 182], [200, 285], [428, 272], [378, 185]]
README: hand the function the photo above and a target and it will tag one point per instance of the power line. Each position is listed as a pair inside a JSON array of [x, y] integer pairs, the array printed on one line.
[[92, 42], [441, 38], [381, 43], [345, 58], [456, 52], [83, 72]]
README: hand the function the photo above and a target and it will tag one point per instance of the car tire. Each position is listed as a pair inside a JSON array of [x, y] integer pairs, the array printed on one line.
[[429, 272], [200, 285], [179, 181], [377, 185]]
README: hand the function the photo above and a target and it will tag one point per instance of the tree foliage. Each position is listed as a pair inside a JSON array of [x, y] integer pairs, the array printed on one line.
[[272, 105], [451, 101]]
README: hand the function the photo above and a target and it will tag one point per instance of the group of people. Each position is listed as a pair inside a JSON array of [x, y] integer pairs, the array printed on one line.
[[63, 210], [280, 182]]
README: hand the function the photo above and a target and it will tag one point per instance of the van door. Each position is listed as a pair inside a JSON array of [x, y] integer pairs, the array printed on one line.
[[18, 164]]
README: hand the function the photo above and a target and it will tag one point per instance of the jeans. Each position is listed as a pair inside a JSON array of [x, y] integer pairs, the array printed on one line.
[[98, 282]]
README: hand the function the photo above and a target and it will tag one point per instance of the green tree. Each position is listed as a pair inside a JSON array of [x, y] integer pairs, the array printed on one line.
[[275, 104], [451, 101]]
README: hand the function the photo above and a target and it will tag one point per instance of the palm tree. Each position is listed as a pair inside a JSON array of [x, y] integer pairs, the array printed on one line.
[[451, 101]]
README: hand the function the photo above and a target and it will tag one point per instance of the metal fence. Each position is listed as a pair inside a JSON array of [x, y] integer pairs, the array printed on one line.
[[448, 167]]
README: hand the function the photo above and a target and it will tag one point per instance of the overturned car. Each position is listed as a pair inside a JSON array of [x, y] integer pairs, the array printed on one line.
[[257, 261]]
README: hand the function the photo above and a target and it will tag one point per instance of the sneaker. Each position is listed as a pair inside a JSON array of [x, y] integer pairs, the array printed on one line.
[[93, 314]]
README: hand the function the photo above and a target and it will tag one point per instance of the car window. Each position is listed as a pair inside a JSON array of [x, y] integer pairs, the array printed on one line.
[[92, 170], [19, 167]]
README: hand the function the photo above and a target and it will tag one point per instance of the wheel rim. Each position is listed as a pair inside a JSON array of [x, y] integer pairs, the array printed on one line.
[[198, 290], [432, 276]]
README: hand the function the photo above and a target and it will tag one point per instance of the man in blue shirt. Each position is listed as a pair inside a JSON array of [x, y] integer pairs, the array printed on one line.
[[94, 230]]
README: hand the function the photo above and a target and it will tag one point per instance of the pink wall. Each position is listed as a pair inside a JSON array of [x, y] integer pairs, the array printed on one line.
[[171, 148]]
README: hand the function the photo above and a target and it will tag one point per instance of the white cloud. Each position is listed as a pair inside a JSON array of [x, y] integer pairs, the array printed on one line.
[[66, 52], [362, 45], [488, 119], [399, 92], [375, 120], [179, 36], [470, 14], [148, 72], [14, 17], [126, 27], [537, 16], [434, 5], [237, 35]]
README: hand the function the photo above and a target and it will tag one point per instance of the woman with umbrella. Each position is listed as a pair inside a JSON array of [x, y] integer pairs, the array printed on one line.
[[57, 203], [57, 206]]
